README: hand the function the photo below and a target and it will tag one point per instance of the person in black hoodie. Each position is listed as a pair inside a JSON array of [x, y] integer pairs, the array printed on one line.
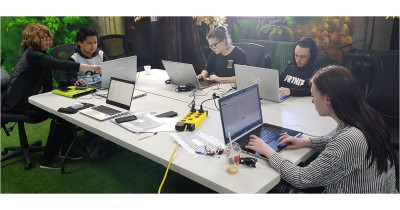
[[294, 80], [32, 76]]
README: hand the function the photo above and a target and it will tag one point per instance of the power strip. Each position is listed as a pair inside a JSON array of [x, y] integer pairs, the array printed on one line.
[[192, 120]]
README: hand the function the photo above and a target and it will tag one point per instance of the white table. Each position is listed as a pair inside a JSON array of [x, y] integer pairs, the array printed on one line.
[[206, 170]]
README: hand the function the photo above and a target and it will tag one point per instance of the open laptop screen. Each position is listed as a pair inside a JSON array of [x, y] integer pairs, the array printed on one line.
[[120, 93], [240, 112], [124, 68]]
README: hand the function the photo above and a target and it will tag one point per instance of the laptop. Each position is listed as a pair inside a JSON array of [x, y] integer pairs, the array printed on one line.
[[241, 116], [184, 73], [118, 100], [123, 68], [267, 79]]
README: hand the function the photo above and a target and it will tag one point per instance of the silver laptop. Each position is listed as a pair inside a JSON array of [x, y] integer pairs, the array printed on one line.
[[241, 116], [183, 73], [118, 100], [267, 80], [123, 68]]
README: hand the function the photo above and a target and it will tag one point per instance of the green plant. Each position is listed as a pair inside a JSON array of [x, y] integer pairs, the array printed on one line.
[[63, 30], [279, 29]]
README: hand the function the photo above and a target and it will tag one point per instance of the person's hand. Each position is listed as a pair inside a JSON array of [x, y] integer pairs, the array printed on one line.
[[96, 68], [214, 77], [259, 146], [284, 91], [80, 82], [293, 141], [200, 76]]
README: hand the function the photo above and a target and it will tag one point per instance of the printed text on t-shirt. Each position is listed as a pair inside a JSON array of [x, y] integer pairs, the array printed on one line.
[[294, 80]]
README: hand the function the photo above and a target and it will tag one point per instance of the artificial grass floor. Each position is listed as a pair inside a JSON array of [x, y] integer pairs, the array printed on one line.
[[125, 172]]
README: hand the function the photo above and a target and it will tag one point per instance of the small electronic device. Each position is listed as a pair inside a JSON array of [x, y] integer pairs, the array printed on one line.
[[81, 87], [191, 120], [168, 114], [186, 87], [126, 119], [77, 105]]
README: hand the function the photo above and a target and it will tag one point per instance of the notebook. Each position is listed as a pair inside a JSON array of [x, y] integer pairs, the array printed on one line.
[[123, 68], [183, 73], [118, 101], [241, 116], [267, 79]]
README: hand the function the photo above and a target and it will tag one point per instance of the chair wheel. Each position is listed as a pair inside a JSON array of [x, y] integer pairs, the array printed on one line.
[[28, 166], [4, 152]]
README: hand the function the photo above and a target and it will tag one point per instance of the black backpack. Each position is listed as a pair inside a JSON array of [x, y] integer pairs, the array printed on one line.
[[100, 148]]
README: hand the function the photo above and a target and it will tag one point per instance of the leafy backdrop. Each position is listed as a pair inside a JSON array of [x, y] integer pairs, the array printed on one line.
[[63, 29]]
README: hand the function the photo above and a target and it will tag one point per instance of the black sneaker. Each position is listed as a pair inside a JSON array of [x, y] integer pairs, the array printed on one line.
[[73, 155], [52, 164]]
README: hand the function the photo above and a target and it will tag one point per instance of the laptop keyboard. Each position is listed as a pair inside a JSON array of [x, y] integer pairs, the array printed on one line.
[[206, 83], [268, 134], [106, 110]]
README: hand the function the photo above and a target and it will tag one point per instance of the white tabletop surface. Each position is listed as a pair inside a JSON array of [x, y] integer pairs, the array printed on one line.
[[295, 113]]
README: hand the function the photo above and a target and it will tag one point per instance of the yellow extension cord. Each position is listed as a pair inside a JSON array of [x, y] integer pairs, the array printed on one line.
[[169, 164]]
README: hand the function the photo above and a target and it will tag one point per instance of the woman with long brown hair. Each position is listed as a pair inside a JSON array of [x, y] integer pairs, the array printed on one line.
[[358, 158]]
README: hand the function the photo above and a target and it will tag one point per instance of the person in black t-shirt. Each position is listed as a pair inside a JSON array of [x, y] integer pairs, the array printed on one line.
[[220, 64]]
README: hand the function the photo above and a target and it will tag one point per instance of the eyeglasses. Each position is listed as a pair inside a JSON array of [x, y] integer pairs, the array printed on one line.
[[45, 37], [213, 46]]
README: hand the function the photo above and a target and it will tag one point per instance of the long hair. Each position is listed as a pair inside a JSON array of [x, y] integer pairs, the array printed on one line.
[[31, 36], [350, 107]]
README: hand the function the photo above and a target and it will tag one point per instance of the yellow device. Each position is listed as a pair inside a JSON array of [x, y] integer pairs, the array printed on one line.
[[192, 120]]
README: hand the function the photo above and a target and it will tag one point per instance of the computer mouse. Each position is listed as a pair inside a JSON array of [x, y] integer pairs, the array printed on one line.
[[77, 105]]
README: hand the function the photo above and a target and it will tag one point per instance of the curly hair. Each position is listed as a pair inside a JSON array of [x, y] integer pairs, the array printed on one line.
[[31, 36]]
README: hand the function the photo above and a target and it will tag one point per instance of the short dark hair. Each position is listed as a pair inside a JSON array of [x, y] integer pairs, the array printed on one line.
[[85, 32]]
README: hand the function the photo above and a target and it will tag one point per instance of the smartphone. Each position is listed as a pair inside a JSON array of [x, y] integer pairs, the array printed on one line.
[[126, 119], [168, 114]]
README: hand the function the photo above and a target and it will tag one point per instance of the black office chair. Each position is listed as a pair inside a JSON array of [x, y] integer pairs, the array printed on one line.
[[24, 148], [361, 65], [63, 52], [255, 54], [324, 60], [114, 45], [384, 92]]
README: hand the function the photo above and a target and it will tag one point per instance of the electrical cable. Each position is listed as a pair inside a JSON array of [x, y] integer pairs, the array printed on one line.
[[169, 164]]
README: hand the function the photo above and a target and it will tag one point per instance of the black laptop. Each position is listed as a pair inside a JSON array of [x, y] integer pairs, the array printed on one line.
[[241, 116]]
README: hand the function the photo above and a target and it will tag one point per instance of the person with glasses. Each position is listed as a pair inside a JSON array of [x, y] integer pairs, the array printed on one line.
[[31, 76], [356, 158], [220, 63], [294, 79]]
